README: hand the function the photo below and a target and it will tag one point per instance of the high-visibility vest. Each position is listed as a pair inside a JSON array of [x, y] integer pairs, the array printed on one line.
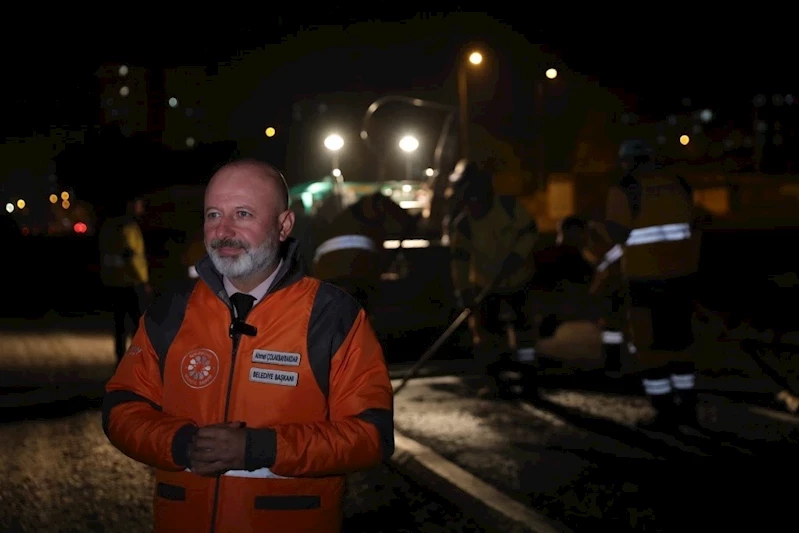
[[656, 212]]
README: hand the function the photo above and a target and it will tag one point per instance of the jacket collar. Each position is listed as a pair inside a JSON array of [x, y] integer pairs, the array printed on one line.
[[290, 272]]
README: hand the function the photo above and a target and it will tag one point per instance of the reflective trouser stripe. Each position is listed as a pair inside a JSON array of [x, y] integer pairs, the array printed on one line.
[[683, 381], [612, 337], [525, 355], [657, 387], [345, 242], [648, 235]]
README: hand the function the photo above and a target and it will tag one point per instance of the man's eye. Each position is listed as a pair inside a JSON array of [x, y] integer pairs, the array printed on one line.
[[211, 215], [243, 214]]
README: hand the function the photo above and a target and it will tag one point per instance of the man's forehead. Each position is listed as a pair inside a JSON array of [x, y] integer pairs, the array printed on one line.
[[257, 175]]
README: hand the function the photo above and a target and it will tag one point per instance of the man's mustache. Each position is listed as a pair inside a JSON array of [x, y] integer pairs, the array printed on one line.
[[228, 243]]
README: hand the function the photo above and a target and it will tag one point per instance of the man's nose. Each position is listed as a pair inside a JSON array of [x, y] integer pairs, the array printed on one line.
[[225, 228]]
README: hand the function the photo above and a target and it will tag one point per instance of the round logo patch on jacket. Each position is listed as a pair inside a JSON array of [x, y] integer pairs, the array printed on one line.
[[199, 368]]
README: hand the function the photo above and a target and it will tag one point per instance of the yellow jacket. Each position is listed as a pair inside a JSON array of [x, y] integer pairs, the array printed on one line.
[[649, 218], [478, 247], [351, 246], [123, 262]]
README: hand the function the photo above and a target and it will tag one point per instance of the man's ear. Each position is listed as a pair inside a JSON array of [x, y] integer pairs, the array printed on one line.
[[286, 224]]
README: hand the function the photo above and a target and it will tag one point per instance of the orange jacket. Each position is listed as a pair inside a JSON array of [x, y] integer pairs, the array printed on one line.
[[312, 386]]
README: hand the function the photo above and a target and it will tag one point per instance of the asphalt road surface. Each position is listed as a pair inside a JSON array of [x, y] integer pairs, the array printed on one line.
[[573, 456], [580, 466], [59, 473]]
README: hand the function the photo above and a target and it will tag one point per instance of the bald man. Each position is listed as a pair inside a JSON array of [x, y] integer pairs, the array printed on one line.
[[254, 390]]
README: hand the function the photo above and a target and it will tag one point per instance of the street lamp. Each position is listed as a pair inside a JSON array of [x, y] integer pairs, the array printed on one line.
[[550, 74], [409, 144], [450, 113], [334, 143], [475, 58]]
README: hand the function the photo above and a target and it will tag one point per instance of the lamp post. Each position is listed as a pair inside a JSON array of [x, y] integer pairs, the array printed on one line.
[[474, 58], [409, 144], [335, 143], [449, 119], [550, 74]]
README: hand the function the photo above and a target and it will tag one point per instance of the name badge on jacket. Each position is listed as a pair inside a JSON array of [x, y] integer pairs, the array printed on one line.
[[271, 357]]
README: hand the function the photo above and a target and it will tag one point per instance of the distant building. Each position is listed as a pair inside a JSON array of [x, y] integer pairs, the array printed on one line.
[[167, 105], [125, 99]]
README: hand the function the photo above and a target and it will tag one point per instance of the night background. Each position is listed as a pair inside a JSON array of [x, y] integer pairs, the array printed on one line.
[[93, 114]]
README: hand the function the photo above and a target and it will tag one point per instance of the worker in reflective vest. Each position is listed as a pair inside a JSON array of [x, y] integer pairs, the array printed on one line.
[[351, 251], [613, 295], [649, 220]]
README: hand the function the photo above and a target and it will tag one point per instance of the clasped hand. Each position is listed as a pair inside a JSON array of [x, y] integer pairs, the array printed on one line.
[[217, 448]]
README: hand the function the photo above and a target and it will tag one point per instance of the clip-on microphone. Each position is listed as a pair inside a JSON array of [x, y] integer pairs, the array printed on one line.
[[239, 327]]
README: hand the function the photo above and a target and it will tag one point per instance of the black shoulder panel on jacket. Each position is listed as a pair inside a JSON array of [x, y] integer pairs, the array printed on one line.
[[165, 316], [684, 184], [332, 316], [632, 189]]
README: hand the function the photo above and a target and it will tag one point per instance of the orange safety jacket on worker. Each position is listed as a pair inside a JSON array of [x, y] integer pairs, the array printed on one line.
[[649, 221], [351, 246], [311, 384]]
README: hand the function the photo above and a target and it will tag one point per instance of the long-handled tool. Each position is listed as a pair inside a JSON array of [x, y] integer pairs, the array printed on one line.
[[461, 318], [788, 394]]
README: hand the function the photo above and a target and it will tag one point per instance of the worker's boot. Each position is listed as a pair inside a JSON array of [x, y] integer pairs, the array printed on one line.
[[665, 418], [612, 342], [685, 407], [494, 387]]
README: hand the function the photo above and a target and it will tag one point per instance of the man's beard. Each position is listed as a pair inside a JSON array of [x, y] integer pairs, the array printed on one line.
[[255, 259]]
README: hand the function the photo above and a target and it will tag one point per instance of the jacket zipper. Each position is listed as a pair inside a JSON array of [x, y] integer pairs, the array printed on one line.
[[236, 340]]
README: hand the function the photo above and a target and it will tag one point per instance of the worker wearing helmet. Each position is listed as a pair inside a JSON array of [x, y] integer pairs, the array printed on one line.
[[649, 220], [350, 252], [492, 239]]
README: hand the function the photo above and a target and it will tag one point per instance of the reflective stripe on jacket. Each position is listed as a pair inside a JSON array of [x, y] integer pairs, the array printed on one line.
[[351, 246], [649, 218]]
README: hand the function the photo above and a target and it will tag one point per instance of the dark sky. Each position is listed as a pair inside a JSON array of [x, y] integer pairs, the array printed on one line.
[[43, 82]]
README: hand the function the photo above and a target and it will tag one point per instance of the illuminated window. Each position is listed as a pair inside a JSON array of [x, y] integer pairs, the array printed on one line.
[[189, 141]]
